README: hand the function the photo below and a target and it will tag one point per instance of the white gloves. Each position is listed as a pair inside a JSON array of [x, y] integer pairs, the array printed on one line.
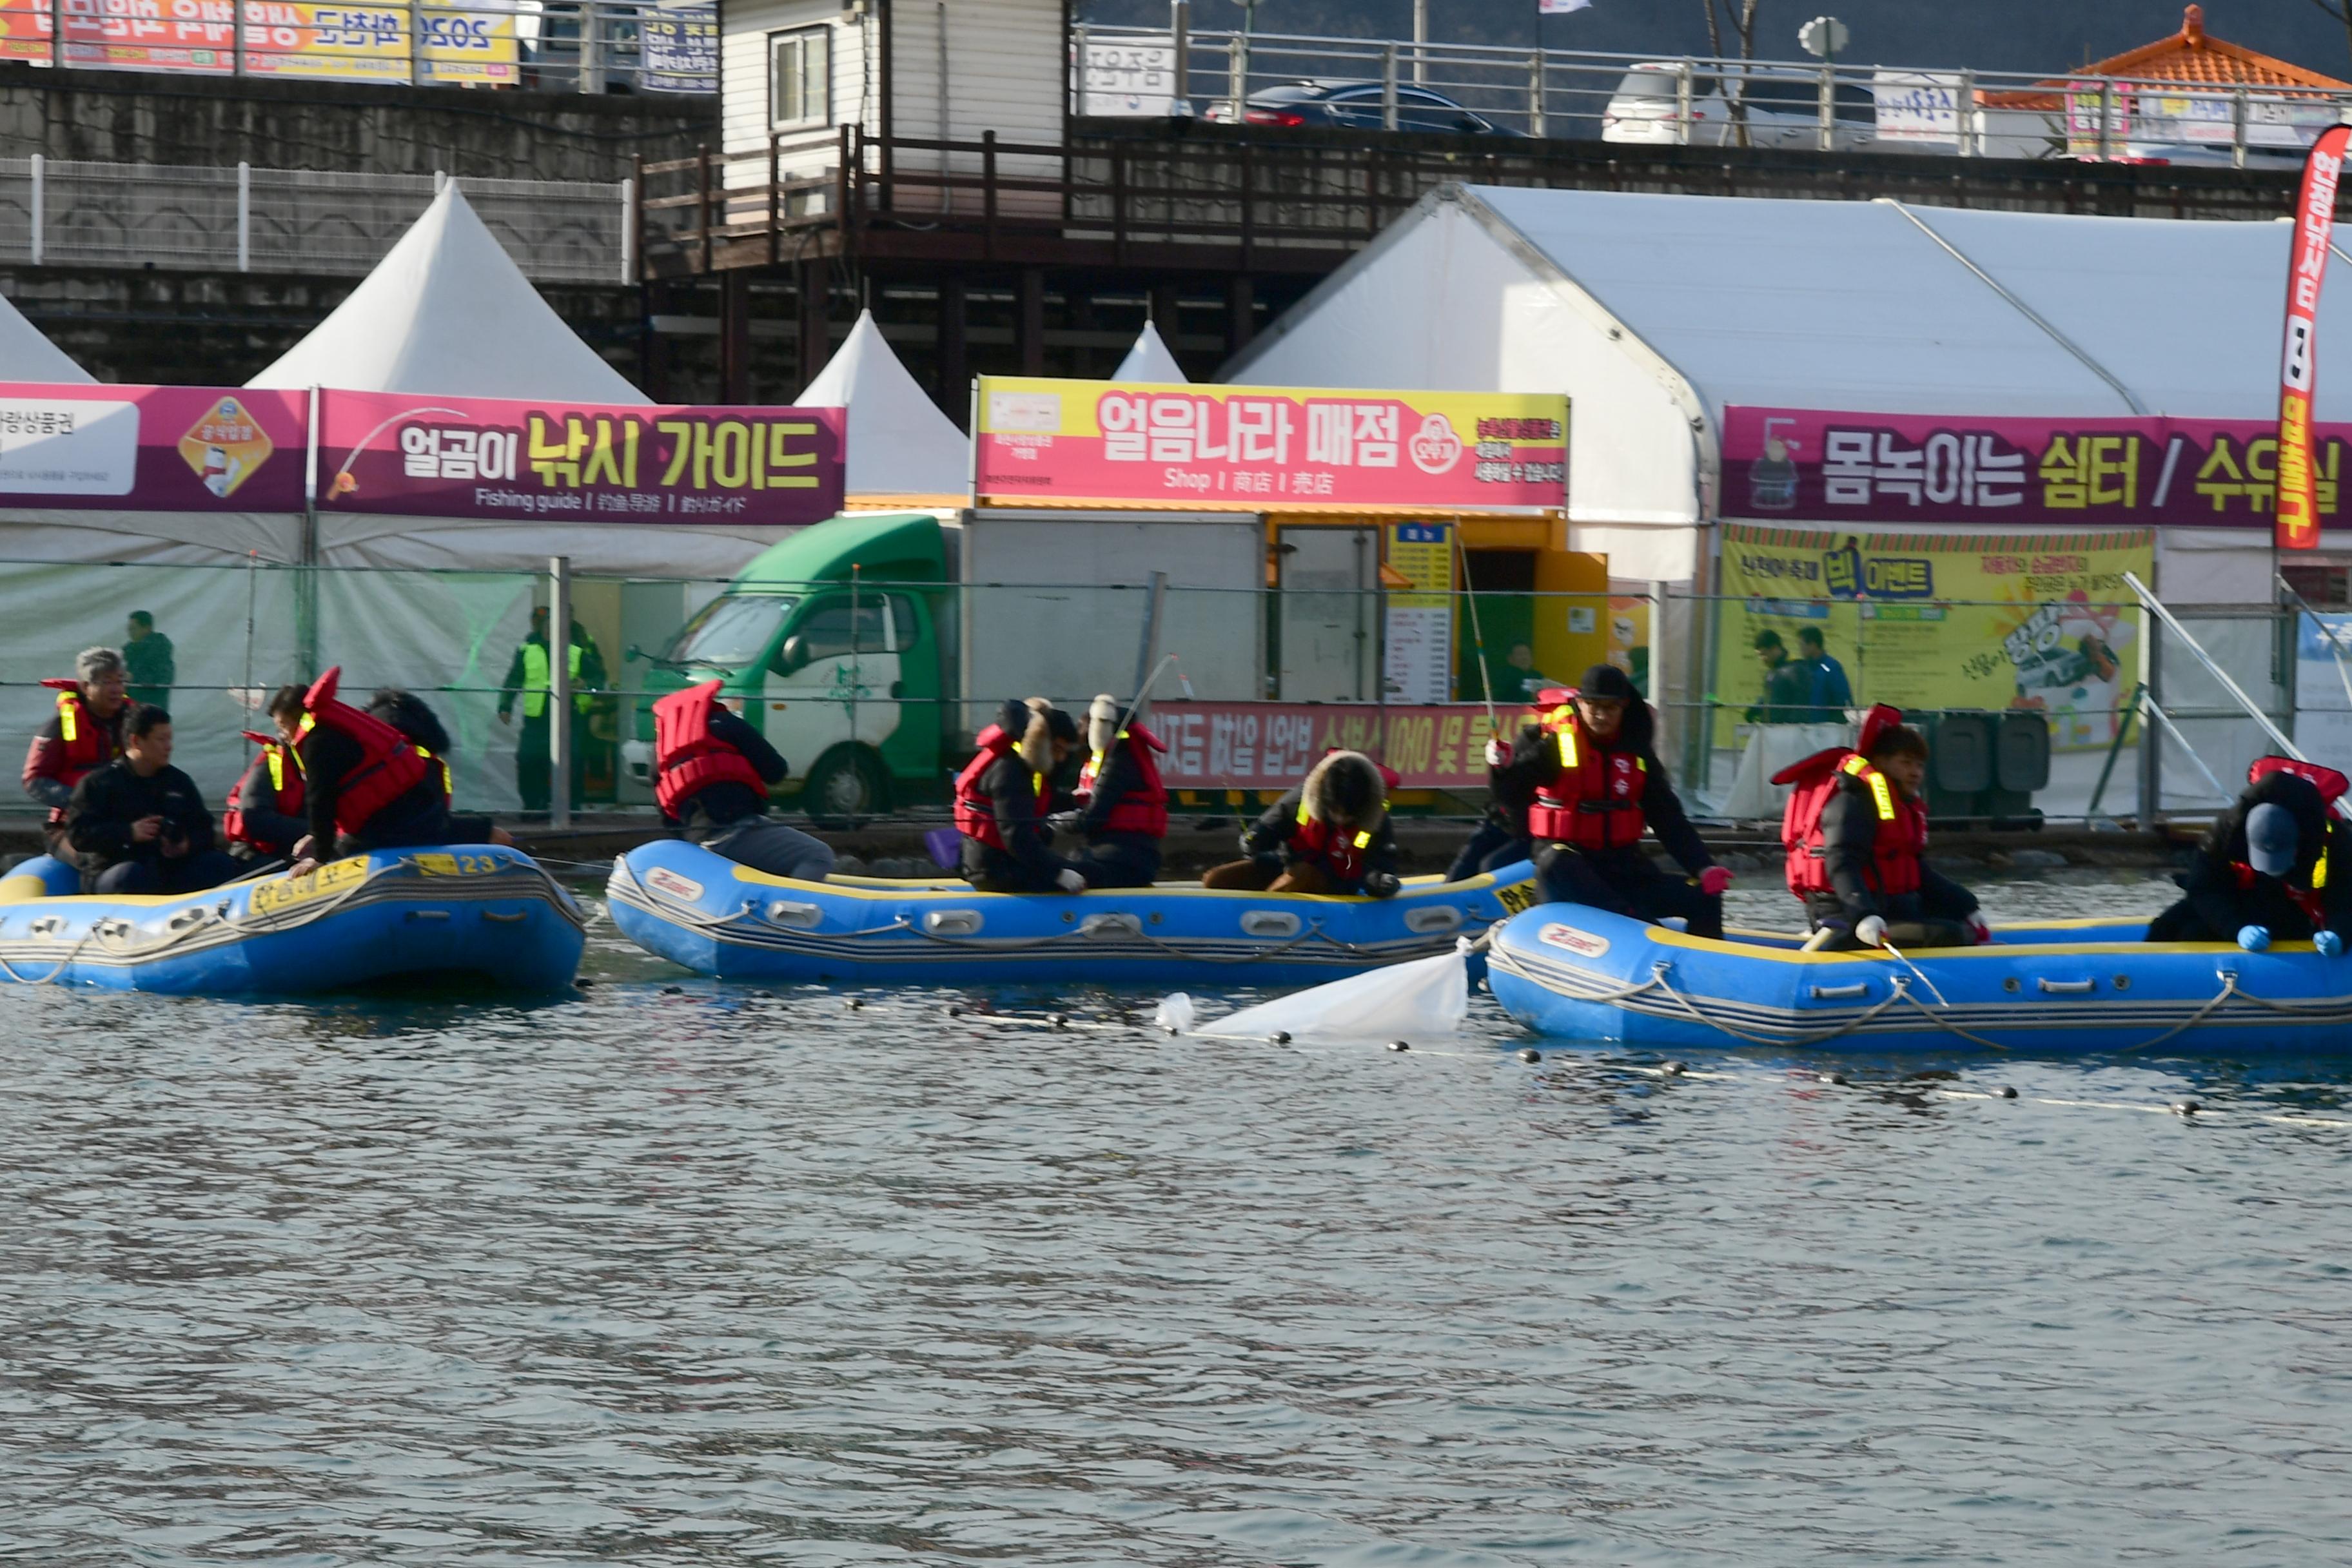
[[1070, 881], [1977, 929], [1871, 931], [1498, 754]]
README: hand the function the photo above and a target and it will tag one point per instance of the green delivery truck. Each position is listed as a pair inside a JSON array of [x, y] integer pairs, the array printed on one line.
[[867, 648]]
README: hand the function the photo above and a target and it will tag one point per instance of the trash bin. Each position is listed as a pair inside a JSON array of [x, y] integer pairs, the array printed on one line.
[[1959, 762], [2020, 765], [1984, 767]]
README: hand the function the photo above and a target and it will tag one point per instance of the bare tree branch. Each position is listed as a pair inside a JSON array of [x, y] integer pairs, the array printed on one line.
[[2342, 11]]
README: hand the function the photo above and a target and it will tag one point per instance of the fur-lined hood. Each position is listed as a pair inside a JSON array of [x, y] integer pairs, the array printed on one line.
[[1036, 733], [1346, 790]]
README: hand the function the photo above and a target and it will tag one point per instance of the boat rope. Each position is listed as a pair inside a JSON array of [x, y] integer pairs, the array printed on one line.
[[1809, 1037], [63, 964], [2229, 989]]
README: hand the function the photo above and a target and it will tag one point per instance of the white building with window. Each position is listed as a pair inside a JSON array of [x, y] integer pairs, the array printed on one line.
[[793, 72]]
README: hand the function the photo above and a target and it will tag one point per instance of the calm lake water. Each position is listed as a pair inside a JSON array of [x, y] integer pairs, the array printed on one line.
[[684, 1274]]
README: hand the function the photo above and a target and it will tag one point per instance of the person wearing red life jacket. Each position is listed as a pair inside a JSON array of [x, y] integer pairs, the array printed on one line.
[[1855, 829], [1330, 835], [83, 734], [1004, 795], [1123, 805], [1598, 787], [712, 773], [364, 787], [2277, 866], [265, 820]]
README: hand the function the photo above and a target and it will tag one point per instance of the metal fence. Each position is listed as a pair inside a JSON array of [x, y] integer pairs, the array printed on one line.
[[54, 212], [549, 46], [1278, 79], [903, 677]]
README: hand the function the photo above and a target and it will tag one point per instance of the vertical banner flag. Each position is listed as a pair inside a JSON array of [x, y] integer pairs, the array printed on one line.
[[2315, 221]]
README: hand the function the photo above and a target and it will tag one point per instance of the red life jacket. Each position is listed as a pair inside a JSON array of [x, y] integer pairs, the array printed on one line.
[[1897, 851], [389, 765], [90, 743], [1144, 808], [286, 794], [2330, 784], [1594, 800], [975, 813], [2311, 900], [688, 758], [1339, 851]]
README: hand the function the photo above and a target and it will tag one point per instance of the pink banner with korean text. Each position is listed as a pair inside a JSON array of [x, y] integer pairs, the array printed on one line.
[[1076, 442], [419, 455], [1818, 466], [1270, 745], [151, 449]]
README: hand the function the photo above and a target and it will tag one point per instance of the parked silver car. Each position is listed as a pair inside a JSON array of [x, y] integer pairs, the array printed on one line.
[[1782, 108]]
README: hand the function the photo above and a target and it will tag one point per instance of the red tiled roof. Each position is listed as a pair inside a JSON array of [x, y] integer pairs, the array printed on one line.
[[2193, 55]]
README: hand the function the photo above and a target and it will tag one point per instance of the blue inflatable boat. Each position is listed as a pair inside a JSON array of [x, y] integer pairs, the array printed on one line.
[[2069, 986], [706, 912], [474, 910]]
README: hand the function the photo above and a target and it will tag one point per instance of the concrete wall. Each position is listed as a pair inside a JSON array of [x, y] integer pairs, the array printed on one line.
[[148, 118]]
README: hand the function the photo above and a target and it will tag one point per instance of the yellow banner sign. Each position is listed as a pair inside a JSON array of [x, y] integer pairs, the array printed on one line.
[[1814, 623]]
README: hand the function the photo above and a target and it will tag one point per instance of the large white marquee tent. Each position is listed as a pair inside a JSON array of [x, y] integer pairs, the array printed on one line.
[[1653, 313]]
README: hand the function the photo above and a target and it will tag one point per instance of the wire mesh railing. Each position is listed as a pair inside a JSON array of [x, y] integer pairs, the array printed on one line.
[[1372, 84], [58, 212]]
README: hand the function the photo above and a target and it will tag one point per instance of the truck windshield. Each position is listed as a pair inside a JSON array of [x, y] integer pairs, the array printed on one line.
[[731, 631]]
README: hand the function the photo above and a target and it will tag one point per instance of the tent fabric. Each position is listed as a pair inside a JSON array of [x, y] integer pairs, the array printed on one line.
[[447, 313], [636, 550], [898, 442], [1149, 361], [27, 355], [1655, 313]]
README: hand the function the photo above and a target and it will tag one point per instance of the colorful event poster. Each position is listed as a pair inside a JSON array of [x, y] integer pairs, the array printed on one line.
[[489, 457], [473, 42], [2034, 621], [1827, 467], [151, 449], [1270, 745], [1075, 442]]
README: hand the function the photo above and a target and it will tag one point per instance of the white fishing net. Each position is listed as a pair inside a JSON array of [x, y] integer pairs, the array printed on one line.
[[1425, 998]]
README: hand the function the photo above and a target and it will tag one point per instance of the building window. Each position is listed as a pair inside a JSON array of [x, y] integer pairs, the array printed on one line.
[[800, 78]]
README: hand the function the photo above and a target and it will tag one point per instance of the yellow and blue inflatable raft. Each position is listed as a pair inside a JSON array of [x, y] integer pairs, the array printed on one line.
[[717, 918], [474, 910], [2064, 987]]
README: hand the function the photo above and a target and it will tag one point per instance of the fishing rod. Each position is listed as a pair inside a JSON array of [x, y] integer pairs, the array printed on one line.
[[1148, 681], [1478, 636]]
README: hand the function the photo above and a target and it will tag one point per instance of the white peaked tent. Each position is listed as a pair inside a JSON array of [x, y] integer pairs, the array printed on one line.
[[1149, 361], [901, 448], [448, 311], [27, 355]]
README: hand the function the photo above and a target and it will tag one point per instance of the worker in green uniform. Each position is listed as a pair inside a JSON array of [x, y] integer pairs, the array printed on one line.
[[530, 678]]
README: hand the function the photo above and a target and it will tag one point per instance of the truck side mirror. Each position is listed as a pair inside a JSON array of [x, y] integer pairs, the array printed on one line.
[[793, 657], [632, 654]]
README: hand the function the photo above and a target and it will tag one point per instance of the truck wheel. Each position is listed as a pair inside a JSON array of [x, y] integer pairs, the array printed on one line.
[[845, 790]]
